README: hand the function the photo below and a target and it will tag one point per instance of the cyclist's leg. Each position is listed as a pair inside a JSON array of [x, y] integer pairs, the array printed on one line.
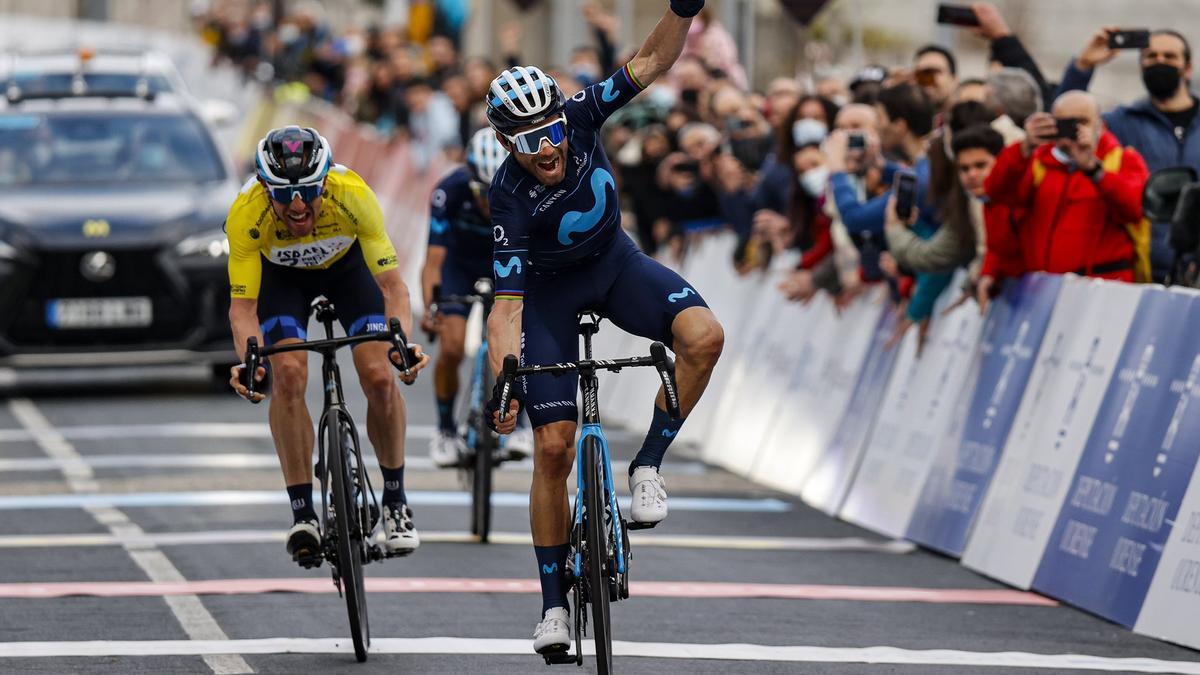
[[452, 333], [650, 300], [283, 306]]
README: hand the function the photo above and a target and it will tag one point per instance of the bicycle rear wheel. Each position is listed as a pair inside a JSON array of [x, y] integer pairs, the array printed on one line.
[[349, 539], [481, 480], [596, 536]]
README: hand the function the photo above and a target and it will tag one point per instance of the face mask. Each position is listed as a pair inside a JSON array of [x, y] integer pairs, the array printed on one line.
[[1161, 80], [690, 96], [814, 180], [661, 97], [1062, 157], [808, 131]]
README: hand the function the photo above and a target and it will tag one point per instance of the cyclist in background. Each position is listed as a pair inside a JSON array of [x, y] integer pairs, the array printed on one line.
[[559, 249], [459, 253], [301, 228]]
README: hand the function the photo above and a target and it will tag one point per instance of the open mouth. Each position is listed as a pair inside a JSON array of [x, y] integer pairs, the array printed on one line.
[[550, 165], [302, 218]]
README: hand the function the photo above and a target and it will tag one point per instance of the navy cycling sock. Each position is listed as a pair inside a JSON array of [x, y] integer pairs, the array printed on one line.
[[393, 485], [552, 563], [662, 431], [445, 408], [302, 507]]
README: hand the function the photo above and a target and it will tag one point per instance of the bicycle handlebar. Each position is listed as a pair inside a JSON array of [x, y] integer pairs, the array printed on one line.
[[394, 334], [658, 359]]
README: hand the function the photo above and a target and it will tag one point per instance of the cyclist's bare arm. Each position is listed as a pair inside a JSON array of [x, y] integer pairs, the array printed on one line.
[[504, 338], [395, 298], [661, 49], [243, 319], [431, 273]]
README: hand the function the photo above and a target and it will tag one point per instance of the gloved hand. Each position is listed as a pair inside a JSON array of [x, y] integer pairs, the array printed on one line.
[[492, 410], [687, 8]]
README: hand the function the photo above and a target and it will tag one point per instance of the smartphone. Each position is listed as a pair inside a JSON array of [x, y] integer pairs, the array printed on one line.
[[857, 141], [1129, 39], [1067, 128], [691, 168], [956, 15], [904, 186]]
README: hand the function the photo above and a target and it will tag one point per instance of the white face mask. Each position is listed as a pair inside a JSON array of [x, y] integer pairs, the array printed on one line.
[[808, 131], [814, 181]]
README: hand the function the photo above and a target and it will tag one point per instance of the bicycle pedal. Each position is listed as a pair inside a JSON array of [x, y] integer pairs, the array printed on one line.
[[559, 656], [640, 526]]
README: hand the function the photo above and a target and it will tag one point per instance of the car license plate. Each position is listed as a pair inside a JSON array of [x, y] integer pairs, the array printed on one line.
[[99, 313]]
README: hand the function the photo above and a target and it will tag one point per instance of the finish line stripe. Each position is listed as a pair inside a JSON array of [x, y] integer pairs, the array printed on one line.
[[662, 650], [651, 589], [517, 538], [416, 498]]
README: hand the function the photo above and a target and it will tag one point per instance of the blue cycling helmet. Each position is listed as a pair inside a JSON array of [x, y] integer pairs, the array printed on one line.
[[523, 96]]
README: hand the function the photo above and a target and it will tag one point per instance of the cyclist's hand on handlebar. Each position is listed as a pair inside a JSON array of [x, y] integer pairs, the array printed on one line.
[[236, 381], [429, 322], [510, 421], [409, 376]]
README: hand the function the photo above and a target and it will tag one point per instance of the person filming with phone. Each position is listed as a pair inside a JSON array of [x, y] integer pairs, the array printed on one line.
[[1081, 192]]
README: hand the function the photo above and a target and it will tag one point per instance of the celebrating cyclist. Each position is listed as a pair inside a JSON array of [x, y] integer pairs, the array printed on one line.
[[459, 253], [559, 249], [306, 227]]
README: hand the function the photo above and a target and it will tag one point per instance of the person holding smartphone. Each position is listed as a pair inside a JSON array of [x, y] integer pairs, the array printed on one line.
[[1080, 190], [1164, 127]]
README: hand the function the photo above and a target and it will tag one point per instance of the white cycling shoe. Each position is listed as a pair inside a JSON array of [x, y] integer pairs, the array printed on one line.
[[304, 543], [649, 493], [553, 633], [519, 444], [397, 534], [447, 449]]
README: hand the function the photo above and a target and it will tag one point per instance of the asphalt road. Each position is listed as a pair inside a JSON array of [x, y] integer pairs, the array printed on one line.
[[149, 477]]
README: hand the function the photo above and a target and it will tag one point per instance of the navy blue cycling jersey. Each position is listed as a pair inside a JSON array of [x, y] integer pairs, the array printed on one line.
[[550, 229], [457, 223]]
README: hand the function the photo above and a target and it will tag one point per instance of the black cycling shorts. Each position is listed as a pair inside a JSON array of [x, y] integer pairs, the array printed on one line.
[[286, 294]]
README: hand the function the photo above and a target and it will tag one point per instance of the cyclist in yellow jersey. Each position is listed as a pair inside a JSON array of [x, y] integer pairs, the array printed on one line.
[[301, 228]]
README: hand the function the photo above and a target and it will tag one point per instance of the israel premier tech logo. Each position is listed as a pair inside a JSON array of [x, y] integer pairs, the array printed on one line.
[[502, 271], [576, 222]]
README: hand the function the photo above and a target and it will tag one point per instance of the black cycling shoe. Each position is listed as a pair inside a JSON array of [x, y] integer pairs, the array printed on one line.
[[304, 544]]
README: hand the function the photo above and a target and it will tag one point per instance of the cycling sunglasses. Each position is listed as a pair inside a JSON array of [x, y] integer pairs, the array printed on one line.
[[284, 194], [530, 142]]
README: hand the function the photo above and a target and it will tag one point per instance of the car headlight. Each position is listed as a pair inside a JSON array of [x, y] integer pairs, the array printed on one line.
[[206, 244], [8, 251]]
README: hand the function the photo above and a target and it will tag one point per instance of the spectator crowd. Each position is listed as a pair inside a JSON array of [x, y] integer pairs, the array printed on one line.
[[1013, 172]]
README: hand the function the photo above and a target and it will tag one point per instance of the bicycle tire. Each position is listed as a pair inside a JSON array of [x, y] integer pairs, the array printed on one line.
[[349, 545], [597, 542], [481, 481]]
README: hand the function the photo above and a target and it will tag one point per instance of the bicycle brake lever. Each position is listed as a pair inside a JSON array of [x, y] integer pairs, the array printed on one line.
[[508, 373], [666, 372], [251, 367]]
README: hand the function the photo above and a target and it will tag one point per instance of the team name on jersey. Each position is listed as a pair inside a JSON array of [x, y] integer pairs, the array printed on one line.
[[310, 254]]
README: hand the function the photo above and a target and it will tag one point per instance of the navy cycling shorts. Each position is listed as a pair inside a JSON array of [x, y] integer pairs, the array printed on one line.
[[286, 294], [632, 290], [459, 277]]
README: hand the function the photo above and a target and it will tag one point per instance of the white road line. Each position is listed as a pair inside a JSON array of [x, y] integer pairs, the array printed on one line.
[[196, 621], [662, 650], [514, 538]]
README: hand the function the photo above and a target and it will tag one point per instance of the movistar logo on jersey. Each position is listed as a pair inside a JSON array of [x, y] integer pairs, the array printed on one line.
[[667, 433], [502, 271], [550, 569], [609, 95], [676, 297], [439, 225], [575, 222]]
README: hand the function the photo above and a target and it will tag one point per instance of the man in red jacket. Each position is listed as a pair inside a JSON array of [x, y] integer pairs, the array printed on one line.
[[1081, 196]]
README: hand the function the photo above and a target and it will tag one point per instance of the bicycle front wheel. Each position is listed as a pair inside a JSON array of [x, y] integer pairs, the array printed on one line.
[[349, 535], [596, 536], [481, 481]]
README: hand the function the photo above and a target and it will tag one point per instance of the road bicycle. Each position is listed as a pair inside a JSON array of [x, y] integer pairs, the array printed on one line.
[[600, 555], [351, 509]]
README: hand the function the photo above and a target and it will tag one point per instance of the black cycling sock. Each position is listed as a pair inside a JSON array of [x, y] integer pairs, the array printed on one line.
[[662, 431], [393, 485], [552, 563], [302, 506], [445, 408]]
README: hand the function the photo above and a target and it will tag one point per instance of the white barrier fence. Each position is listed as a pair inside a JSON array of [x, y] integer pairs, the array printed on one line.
[[1052, 444]]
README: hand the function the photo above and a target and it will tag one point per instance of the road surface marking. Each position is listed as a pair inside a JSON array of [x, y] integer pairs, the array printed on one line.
[[663, 650], [652, 589], [187, 608], [516, 538], [416, 498]]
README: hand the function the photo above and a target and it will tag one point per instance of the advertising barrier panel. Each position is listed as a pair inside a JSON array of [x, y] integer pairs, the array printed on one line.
[[1011, 337], [1135, 467], [1173, 603], [1072, 372]]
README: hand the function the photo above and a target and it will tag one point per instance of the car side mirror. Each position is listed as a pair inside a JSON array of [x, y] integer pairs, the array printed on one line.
[[218, 113], [1161, 194]]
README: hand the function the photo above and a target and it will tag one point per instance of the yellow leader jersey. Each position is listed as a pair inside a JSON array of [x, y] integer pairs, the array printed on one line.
[[350, 211]]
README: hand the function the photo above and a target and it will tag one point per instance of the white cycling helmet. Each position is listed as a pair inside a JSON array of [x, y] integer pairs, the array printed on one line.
[[522, 96], [485, 155]]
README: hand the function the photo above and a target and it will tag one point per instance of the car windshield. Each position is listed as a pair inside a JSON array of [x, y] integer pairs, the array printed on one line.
[[31, 84], [92, 148]]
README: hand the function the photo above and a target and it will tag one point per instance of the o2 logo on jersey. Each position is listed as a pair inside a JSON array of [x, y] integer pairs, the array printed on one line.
[[503, 271], [499, 236], [439, 198], [576, 222], [582, 94]]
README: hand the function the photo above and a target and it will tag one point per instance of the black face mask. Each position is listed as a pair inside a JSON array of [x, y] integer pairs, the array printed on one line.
[[1161, 80]]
